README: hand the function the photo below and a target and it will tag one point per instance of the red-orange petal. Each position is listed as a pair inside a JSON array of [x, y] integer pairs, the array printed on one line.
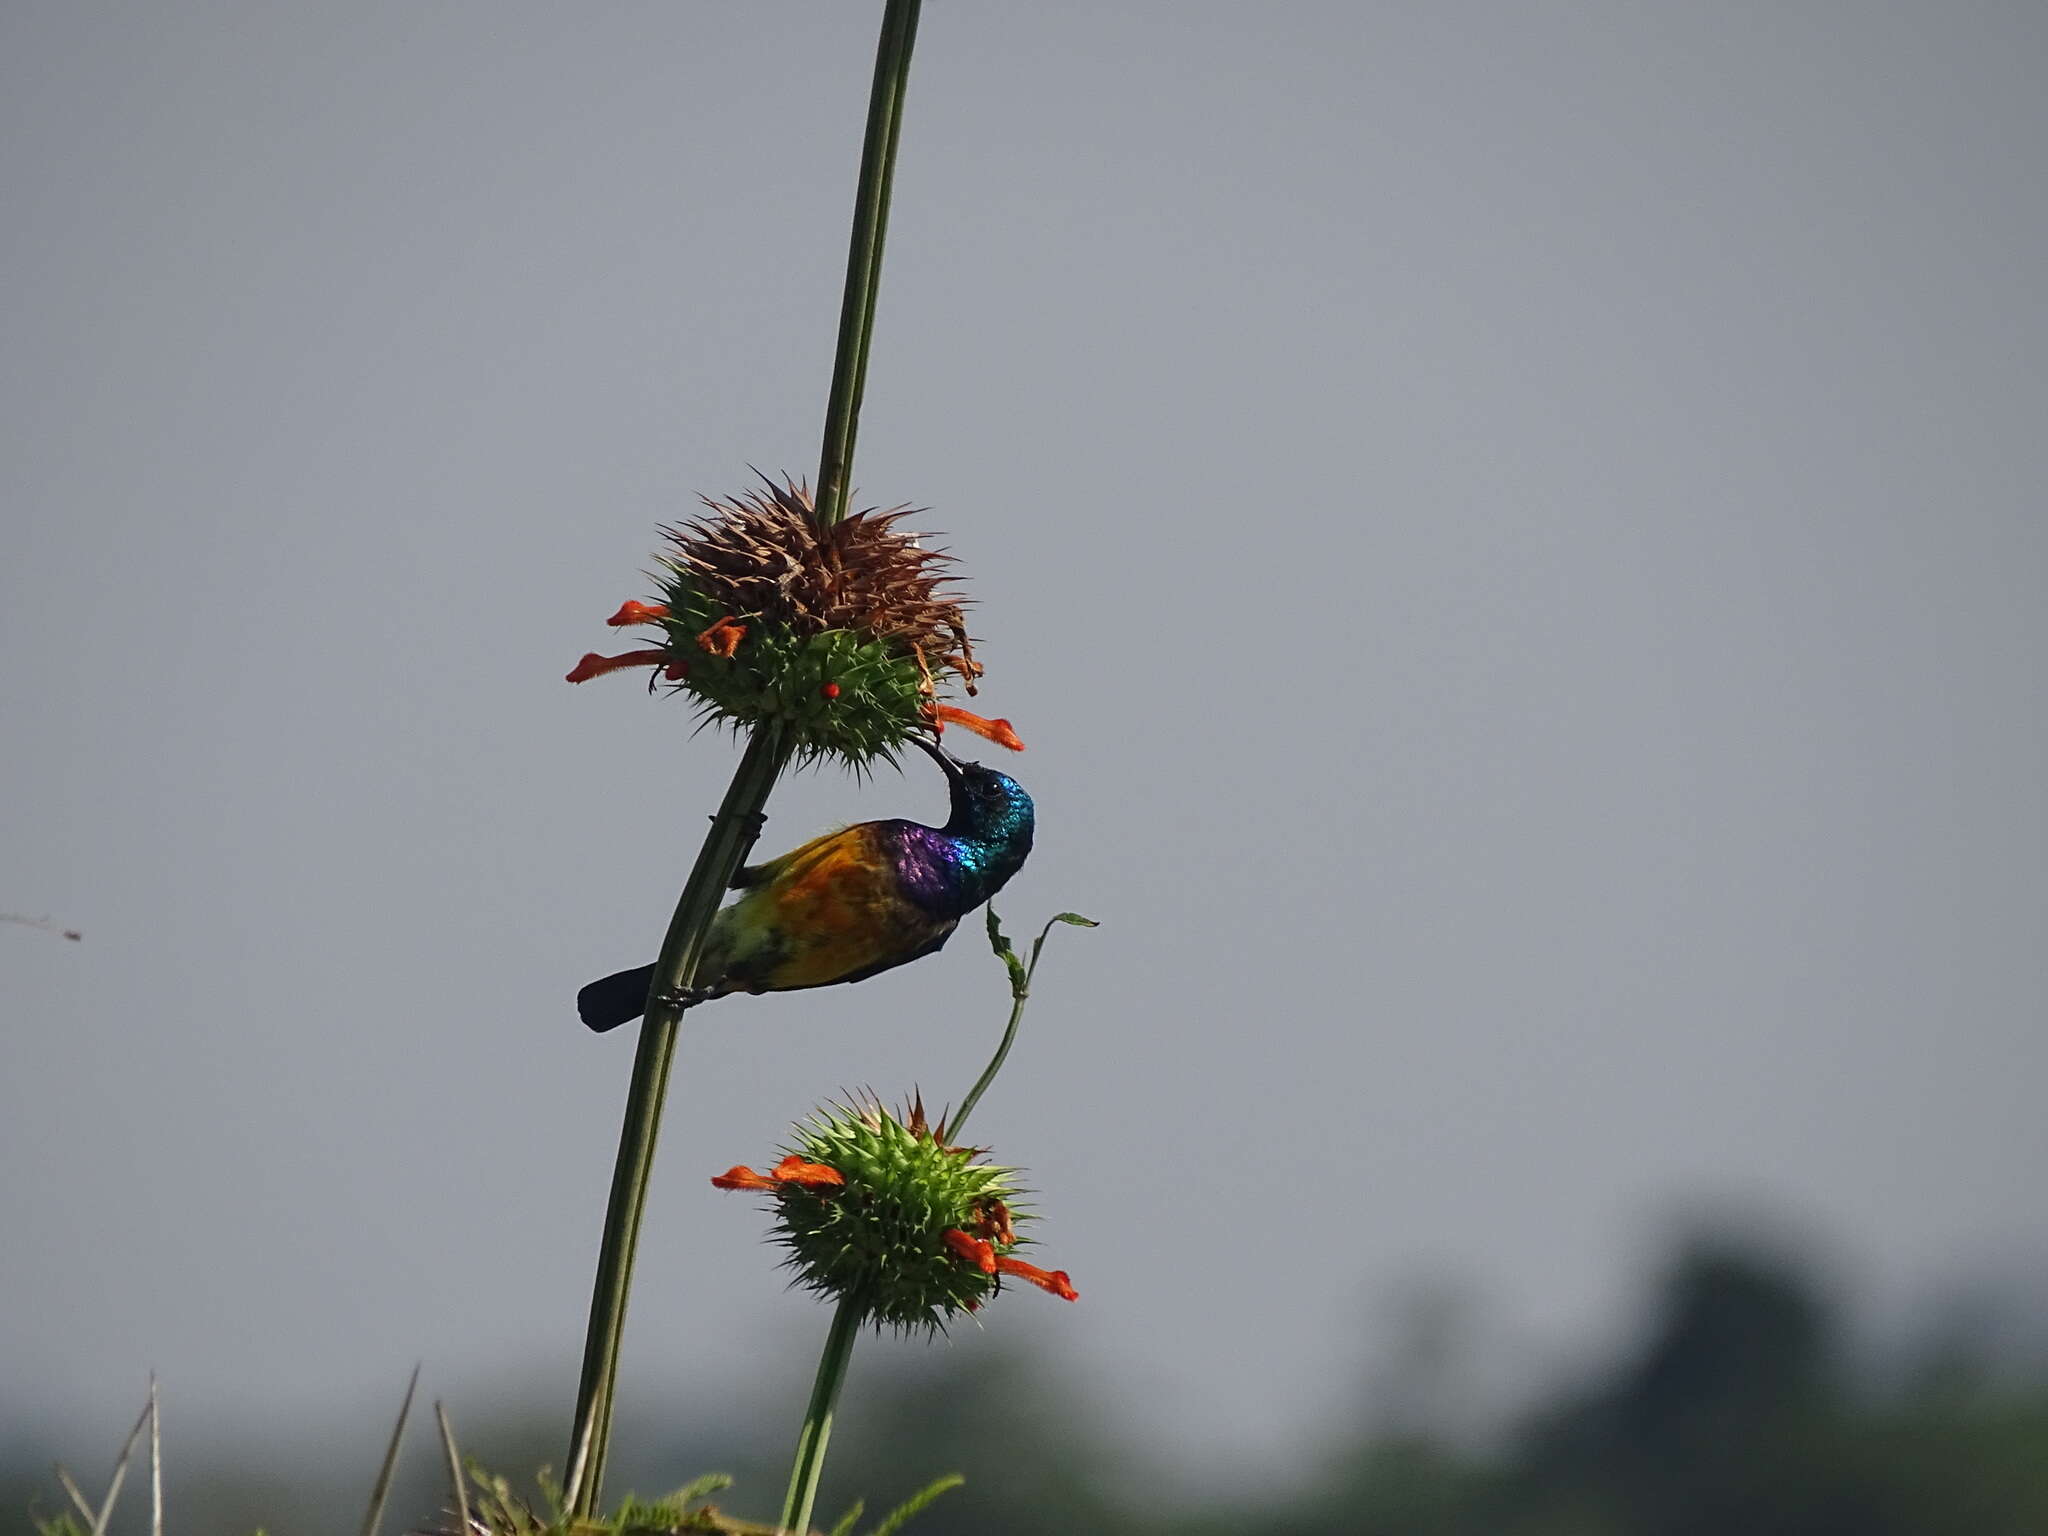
[[723, 638], [794, 1170], [1054, 1280], [634, 612], [676, 671], [997, 731], [594, 665], [741, 1177], [972, 1249]]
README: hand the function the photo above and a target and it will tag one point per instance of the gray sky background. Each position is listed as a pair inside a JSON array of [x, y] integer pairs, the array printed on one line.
[[1514, 533]]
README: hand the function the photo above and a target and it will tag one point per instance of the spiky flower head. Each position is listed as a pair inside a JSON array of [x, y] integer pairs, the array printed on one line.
[[843, 634], [880, 1210]]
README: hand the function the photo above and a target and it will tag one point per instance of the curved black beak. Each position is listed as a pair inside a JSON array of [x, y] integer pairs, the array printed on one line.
[[943, 758]]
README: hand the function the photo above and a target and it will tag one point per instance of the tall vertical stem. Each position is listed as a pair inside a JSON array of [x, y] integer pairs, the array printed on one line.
[[817, 1431], [864, 256], [733, 829], [739, 817]]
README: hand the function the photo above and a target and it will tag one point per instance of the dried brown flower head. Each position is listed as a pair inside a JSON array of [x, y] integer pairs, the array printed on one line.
[[842, 635], [762, 554]]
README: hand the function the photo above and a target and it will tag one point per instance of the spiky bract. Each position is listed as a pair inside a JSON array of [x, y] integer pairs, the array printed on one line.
[[880, 1238], [844, 629]]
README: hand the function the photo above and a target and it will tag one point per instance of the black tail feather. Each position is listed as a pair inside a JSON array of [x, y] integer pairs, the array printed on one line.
[[616, 999]]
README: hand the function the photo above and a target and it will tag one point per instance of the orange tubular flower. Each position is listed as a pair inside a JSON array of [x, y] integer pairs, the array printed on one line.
[[997, 731], [741, 1177], [791, 1170], [594, 665], [1053, 1280], [982, 1255], [972, 1249], [635, 612], [794, 1170]]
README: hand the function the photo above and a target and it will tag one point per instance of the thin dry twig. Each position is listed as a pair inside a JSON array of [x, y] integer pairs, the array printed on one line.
[[454, 1469], [156, 1461], [375, 1516], [72, 1492], [99, 1524]]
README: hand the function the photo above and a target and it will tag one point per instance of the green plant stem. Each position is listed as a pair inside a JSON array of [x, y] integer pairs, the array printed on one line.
[[733, 829], [817, 1430], [864, 256], [1021, 972], [1019, 997], [739, 817]]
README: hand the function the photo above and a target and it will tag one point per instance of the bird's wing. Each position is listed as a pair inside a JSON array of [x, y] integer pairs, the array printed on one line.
[[798, 858], [824, 911]]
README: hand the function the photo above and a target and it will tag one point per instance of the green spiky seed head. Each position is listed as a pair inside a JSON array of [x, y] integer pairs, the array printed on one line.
[[881, 1237], [842, 634], [880, 1211], [837, 694]]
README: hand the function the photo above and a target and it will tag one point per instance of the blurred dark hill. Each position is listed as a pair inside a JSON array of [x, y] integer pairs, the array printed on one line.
[[1740, 1409]]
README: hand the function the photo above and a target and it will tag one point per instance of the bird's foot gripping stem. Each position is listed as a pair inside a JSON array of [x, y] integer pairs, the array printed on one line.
[[680, 998]]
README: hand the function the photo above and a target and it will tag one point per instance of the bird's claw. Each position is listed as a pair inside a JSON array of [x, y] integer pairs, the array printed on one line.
[[680, 998]]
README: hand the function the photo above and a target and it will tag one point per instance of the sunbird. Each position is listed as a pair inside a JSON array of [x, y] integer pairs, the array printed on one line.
[[852, 903]]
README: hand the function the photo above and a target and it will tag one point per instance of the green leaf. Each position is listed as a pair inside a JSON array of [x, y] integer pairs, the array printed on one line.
[[850, 1519], [1000, 942], [1071, 919], [898, 1517], [699, 1488]]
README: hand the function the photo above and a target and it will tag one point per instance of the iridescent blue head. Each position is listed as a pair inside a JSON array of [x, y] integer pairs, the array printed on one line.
[[991, 820]]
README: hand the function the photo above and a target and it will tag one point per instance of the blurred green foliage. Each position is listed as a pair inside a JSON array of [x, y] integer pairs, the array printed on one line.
[[1739, 1409]]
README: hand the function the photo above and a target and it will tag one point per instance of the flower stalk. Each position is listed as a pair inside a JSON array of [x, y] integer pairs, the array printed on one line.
[[1020, 994], [816, 1434], [740, 816], [989, 1214]]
